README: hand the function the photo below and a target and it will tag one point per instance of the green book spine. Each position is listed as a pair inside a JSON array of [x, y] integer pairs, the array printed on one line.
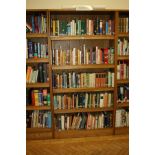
[[64, 27], [60, 28], [79, 27], [48, 99], [83, 27]]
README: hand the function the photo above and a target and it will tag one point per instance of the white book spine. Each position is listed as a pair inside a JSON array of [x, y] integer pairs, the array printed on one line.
[[84, 52], [31, 75], [127, 28], [118, 72], [113, 79], [80, 58], [62, 122], [109, 79], [86, 100], [67, 122], [101, 100], [109, 100], [125, 71]]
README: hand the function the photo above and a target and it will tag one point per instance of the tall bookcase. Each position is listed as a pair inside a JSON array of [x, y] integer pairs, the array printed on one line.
[[70, 41]]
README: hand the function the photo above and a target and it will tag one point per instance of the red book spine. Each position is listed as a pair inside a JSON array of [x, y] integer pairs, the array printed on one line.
[[106, 55], [122, 70], [32, 98], [73, 101], [36, 24], [102, 81], [100, 57]]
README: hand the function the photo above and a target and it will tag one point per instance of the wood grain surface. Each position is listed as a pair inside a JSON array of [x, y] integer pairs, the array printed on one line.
[[106, 145]]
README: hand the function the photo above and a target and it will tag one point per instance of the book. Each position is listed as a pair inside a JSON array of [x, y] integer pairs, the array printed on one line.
[[83, 100], [36, 23], [40, 73], [38, 119], [82, 80], [122, 118], [87, 56], [80, 26], [122, 70], [84, 121]]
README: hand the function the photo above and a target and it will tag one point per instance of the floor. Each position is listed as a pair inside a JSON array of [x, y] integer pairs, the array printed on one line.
[[107, 145]]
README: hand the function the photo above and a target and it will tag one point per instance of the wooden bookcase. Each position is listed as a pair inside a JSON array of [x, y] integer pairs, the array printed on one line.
[[90, 40]]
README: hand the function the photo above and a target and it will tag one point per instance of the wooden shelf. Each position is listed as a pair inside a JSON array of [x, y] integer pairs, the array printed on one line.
[[126, 81], [123, 35], [123, 105], [62, 111], [38, 60], [72, 90], [77, 67], [36, 35], [53, 42], [91, 37], [125, 57], [121, 130], [38, 108], [37, 85], [83, 133], [39, 135], [29, 130]]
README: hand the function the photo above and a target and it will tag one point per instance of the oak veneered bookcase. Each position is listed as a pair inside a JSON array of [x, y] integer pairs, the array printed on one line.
[[68, 42]]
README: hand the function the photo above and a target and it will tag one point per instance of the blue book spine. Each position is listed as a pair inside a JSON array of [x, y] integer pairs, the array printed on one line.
[[39, 50], [94, 57], [69, 29], [106, 26], [30, 49], [105, 119], [63, 80], [35, 50], [46, 51], [40, 98], [32, 20], [53, 81], [39, 24], [49, 122], [74, 85]]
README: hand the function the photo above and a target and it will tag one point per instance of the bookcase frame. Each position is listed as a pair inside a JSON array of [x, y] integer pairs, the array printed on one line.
[[43, 133]]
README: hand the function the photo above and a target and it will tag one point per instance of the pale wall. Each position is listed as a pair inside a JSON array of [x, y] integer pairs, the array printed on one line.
[[58, 4]]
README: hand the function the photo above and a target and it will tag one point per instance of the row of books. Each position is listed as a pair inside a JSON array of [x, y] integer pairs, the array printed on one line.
[[122, 118], [83, 100], [36, 50], [38, 97], [80, 80], [123, 47], [124, 24], [38, 73], [84, 121], [123, 94], [82, 27], [38, 119], [122, 70], [85, 55], [36, 23]]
